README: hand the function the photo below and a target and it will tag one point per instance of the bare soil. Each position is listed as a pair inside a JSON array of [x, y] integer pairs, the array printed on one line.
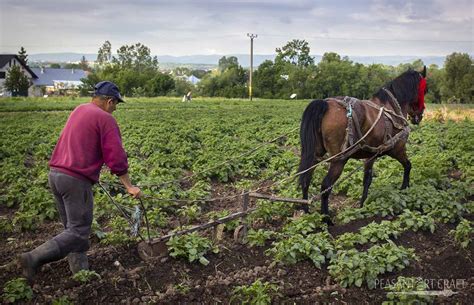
[[126, 279]]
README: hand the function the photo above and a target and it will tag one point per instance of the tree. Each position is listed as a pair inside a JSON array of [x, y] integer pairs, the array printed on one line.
[[17, 82], [182, 87], [459, 77], [230, 83], [83, 64], [182, 71], [160, 85], [199, 73], [22, 55], [266, 80], [134, 71], [416, 65], [55, 66], [137, 57], [434, 83], [295, 52], [227, 63], [105, 53]]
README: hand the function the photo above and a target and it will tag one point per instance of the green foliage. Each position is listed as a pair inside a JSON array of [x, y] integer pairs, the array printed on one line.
[[228, 63], [374, 232], [27, 220], [404, 292], [259, 237], [85, 276], [463, 233], [230, 225], [190, 212], [16, 81], [133, 69], [104, 55], [459, 77], [414, 220], [296, 247], [351, 267], [229, 82], [267, 210], [119, 232], [305, 224], [23, 55], [157, 217], [17, 290], [385, 230], [295, 52], [258, 293], [6, 225], [191, 246]]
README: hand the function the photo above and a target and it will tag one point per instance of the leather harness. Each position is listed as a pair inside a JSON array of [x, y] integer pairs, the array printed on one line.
[[392, 119]]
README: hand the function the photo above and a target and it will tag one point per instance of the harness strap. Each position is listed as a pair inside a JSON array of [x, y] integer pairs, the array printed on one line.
[[349, 147]]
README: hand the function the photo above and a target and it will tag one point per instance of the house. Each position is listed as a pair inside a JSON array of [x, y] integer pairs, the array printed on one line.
[[56, 81], [6, 62], [190, 79], [193, 79]]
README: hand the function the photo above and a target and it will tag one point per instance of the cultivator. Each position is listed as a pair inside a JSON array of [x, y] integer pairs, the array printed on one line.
[[155, 248]]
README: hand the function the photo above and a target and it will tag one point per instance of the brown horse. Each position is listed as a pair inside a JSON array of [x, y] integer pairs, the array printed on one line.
[[371, 132]]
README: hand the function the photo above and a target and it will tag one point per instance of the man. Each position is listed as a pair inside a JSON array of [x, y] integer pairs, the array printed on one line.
[[90, 138]]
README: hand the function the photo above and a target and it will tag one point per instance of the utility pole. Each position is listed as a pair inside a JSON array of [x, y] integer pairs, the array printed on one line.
[[252, 36]]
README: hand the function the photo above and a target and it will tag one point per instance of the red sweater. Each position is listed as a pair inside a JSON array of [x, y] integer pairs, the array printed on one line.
[[90, 138]]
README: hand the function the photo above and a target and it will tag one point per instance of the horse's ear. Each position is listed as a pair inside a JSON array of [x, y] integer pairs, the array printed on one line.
[[424, 72]]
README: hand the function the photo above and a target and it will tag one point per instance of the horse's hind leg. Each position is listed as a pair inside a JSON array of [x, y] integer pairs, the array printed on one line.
[[368, 174], [335, 171]]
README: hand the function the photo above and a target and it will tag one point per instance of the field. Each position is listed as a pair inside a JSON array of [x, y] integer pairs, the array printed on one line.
[[193, 160]]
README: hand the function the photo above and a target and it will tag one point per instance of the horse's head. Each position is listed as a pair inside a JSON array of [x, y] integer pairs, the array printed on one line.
[[417, 106]]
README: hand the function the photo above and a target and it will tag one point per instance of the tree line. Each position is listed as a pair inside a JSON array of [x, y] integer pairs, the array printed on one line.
[[292, 73]]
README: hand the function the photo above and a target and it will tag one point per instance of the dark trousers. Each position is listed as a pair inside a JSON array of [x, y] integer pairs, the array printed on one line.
[[75, 204]]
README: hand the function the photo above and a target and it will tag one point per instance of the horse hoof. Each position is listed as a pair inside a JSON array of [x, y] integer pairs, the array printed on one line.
[[328, 220]]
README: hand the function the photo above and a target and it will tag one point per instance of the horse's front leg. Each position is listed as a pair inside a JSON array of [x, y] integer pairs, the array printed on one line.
[[368, 174], [401, 156], [406, 173], [335, 171]]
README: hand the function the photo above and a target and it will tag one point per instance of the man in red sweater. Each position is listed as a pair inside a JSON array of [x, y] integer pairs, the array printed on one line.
[[90, 138]]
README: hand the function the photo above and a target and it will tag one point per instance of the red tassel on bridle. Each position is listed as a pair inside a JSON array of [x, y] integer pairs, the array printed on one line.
[[421, 94]]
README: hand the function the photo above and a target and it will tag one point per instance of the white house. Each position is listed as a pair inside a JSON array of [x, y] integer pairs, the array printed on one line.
[[193, 79], [59, 81], [6, 62]]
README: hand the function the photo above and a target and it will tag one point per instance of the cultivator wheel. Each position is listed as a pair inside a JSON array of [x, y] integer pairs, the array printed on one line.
[[152, 251], [239, 234]]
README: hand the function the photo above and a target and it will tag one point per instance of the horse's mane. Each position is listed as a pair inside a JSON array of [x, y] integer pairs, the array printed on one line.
[[404, 88]]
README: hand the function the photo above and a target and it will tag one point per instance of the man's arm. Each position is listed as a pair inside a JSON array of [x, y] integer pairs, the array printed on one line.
[[132, 190]]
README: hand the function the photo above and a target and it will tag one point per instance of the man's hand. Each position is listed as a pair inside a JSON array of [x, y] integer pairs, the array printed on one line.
[[135, 192]]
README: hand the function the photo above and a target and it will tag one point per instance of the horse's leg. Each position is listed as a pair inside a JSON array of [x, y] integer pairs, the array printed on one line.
[[401, 156], [368, 173], [335, 171]]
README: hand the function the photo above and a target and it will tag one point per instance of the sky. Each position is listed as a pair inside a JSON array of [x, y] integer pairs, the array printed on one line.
[[185, 27]]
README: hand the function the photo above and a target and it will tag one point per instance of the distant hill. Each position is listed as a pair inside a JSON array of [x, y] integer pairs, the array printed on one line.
[[244, 60]]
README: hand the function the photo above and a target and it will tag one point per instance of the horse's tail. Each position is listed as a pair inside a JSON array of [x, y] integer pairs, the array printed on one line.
[[311, 139]]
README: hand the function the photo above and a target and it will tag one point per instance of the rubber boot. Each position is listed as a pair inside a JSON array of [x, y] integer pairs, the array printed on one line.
[[77, 261], [31, 261]]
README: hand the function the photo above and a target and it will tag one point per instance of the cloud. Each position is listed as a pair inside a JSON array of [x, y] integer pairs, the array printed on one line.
[[184, 27]]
